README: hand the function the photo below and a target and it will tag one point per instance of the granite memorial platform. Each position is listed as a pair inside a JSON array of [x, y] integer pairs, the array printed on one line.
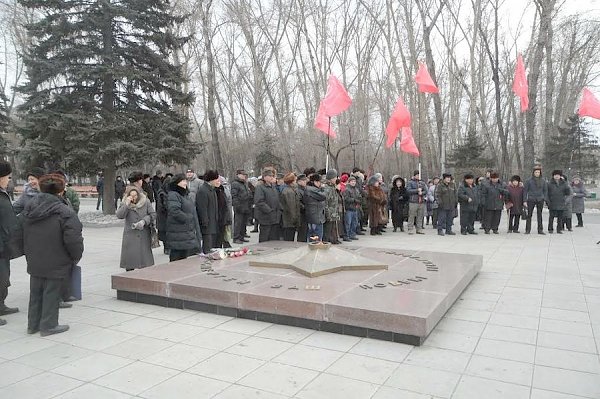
[[390, 294]]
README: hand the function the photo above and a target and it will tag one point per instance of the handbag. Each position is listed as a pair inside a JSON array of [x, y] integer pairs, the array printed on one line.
[[155, 242], [76, 282]]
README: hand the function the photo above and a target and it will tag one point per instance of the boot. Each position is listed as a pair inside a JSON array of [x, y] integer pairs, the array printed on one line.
[[2, 322], [373, 232], [395, 229], [4, 310], [55, 330]]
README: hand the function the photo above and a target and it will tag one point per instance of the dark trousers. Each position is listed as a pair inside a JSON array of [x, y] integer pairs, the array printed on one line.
[[579, 219], [445, 217], [240, 220], [208, 242], [435, 215], [99, 203], [330, 231], [178, 254], [513, 222], [4, 280], [44, 298], [268, 232], [567, 222], [492, 219], [482, 216], [539, 205], [289, 233], [65, 291], [558, 214], [302, 230], [467, 221]]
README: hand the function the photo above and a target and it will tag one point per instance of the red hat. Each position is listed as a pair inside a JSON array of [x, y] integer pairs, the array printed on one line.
[[344, 177]]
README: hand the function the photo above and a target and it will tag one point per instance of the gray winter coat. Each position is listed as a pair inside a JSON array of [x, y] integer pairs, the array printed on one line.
[[535, 189], [267, 207], [557, 195], [240, 196], [579, 194], [29, 193], [290, 205], [136, 248], [194, 185], [314, 205], [183, 229], [207, 209], [352, 198], [493, 195], [412, 189], [51, 235]]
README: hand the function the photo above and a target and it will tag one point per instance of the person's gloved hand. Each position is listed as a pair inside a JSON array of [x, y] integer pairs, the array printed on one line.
[[139, 225]]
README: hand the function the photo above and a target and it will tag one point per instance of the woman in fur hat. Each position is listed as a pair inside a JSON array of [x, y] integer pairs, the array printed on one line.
[[376, 200], [139, 215]]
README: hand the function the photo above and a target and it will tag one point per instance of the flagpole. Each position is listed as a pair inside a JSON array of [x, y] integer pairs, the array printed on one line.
[[327, 154], [419, 131]]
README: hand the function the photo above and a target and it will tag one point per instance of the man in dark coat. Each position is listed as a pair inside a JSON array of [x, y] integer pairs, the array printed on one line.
[[301, 182], [157, 183], [558, 190], [8, 223], [182, 228], [119, 190], [290, 208], [267, 207], [99, 190], [468, 198], [162, 208], [240, 196], [314, 205], [352, 204], [493, 194], [207, 209], [147, 187], [332, 215], [53, 243], [446, 198], [535, 193]]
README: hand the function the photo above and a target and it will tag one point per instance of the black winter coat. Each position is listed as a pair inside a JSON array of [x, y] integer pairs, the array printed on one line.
[[240, 196], [182, 227], [464, 193], [446, 196], [314, 205], [8, 224], [557, 195], [493, 195], [207, 209], [267, 207], [162, 207], [52, 238]]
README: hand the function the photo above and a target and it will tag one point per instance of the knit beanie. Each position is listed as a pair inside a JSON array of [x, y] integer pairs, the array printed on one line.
[[331, 174]]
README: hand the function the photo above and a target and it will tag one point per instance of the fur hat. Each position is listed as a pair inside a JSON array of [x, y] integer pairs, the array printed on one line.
[[468, 176], [211, 175], [177, 179], [5, 168], [52, 183], [280, 176], [416, 172], [241, 172], [135, 176], [372, 180], [331, 174], [494, 175], [557, 172], [301, 177], [516, 178], [289, 178], [36, 172], [444, 175], [315, 177]]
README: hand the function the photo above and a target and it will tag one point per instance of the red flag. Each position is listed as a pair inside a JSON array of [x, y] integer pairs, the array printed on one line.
[[337, 99], [424, 81], [590, 105], [322, 122], [520, 85], [400, 118], [407, 144]]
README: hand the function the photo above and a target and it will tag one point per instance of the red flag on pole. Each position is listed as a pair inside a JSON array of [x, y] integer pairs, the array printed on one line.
[[322, 123], [337, 99], [520, 85], [400, 118], [407, 144], [424, 81], [590, 105]]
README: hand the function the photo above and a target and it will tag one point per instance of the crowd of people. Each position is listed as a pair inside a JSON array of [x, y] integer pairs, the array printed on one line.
[[194, 214]]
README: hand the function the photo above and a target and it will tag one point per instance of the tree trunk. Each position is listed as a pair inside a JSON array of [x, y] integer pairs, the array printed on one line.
[[108, 100]]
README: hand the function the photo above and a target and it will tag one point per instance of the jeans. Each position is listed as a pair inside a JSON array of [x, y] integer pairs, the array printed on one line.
[[315, 230], [99, 203], [351, 223]]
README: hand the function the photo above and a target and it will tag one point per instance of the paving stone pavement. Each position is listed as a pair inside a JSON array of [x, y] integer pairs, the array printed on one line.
[[527, 327]]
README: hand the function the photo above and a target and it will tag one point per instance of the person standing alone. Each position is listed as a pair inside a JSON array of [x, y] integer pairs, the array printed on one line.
[[535, 193]]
